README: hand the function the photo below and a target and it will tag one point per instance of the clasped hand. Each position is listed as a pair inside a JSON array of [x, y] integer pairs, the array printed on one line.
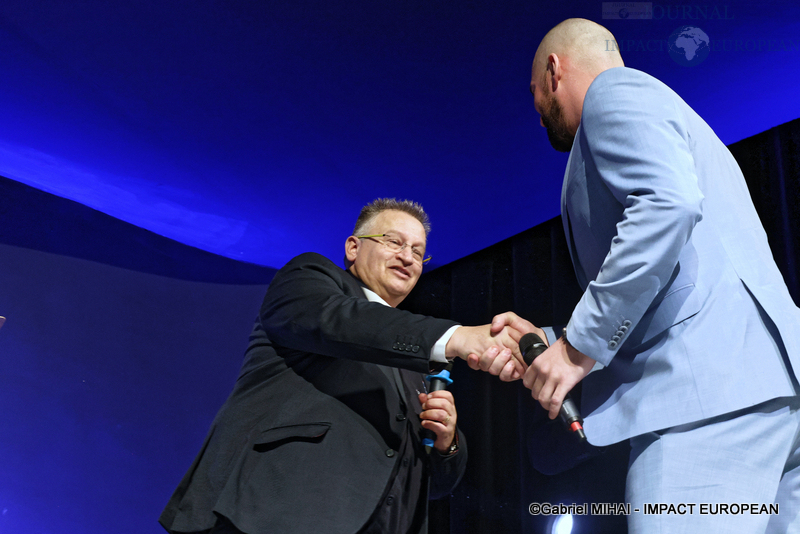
[[551, 375], [493, 347]]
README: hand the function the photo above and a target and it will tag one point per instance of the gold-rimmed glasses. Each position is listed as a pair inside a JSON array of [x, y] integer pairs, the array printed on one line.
[[396, 245]]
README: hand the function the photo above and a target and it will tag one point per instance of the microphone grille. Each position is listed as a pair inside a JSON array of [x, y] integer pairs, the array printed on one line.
[[527, 341]]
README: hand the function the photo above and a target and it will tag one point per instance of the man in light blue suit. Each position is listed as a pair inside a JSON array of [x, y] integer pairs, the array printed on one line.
[[686, 338]]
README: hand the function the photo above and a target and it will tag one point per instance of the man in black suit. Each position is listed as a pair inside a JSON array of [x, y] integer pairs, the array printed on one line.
[[322, 430]]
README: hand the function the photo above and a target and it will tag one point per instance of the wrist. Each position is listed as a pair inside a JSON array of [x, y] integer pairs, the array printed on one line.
[[455, 347], [452, 449], [576, 356]]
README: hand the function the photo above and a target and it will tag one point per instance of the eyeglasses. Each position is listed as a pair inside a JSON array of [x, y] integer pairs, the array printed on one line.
[[396, 245]]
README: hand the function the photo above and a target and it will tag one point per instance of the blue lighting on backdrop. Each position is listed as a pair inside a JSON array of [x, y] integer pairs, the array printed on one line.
[[255, 130]]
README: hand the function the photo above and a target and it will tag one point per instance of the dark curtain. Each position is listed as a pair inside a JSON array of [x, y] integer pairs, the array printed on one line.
[[770, 162]]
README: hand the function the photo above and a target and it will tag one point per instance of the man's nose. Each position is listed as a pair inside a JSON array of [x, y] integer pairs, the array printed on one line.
[[406, 253]]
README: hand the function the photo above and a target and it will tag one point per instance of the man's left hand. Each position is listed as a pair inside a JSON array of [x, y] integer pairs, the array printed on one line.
[[439, 415], [554, 373]]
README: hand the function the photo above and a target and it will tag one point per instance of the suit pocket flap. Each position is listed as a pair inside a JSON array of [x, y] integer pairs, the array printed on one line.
[[674, 308], [308, 431]]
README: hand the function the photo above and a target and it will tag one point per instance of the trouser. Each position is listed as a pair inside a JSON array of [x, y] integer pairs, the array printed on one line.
[[723, 474]]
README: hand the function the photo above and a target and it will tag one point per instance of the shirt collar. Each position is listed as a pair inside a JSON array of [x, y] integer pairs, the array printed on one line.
[[373, 297]]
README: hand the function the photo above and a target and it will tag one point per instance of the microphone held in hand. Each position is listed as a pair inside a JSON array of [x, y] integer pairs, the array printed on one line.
[[438, 382], [531, 345]]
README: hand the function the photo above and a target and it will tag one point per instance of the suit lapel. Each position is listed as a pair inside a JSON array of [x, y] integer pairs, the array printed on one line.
[[392, 373]]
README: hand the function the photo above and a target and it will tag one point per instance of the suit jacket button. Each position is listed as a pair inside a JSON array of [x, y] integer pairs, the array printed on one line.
[[390, 453], [616, 338], [612, 344], [401, 346], [415, 348], [623, 329], [408, 348], [390, 500], [395, 346], [626, 323], [400, 417]]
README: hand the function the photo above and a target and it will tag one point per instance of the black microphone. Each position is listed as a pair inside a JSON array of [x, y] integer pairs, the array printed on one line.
[[438, 382], [531, 346]]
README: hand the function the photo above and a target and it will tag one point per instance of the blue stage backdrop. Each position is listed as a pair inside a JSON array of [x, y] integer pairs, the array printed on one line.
[[120, 345], [236, 126]]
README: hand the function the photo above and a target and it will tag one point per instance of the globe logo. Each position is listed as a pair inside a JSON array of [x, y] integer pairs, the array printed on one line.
[[689, 46]]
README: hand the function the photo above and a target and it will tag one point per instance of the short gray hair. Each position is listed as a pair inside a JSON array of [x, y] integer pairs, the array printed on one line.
[[371, 210]]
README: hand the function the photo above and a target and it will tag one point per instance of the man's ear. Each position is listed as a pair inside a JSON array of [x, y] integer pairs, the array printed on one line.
[[554, 71], [351, 247]]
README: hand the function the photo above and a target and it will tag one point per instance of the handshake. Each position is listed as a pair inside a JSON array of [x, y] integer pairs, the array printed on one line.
[[494, 348]]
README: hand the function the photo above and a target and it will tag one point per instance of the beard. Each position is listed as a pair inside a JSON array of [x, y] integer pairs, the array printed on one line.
[[553, 119]]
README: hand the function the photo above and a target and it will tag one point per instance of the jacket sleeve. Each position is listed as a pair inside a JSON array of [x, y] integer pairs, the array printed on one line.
[[634, 135], [313, 306], [446, 471]]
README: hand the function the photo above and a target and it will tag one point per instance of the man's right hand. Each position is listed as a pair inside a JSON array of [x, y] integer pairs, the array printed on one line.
[[498, 361], [493, 348]]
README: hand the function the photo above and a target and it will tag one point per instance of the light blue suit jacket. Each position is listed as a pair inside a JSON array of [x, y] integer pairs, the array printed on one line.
[[683, 303]]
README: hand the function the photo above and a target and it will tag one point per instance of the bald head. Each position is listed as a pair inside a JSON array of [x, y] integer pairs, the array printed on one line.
[[582, 43], [567, 61]]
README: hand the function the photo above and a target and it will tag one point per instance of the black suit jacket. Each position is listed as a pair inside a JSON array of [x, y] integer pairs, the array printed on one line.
[[306, 440]]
